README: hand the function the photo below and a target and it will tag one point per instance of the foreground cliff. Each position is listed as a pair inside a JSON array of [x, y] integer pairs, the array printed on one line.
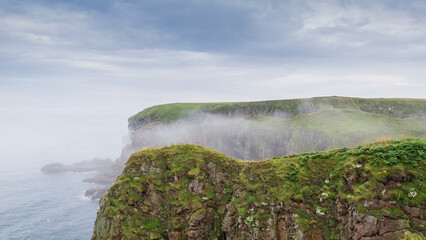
[[259, 130], [191, 192]]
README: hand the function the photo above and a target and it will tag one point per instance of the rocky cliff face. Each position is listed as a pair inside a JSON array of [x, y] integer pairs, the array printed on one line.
[[191, 192], [264, 137], [259, 130], [395, 108]]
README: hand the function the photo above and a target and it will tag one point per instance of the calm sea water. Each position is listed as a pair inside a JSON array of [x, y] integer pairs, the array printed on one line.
[[39, 206]]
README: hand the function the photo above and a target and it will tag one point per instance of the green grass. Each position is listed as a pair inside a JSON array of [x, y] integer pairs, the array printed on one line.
[[311, 184], [399, 108], [336, 128], [311, 124]]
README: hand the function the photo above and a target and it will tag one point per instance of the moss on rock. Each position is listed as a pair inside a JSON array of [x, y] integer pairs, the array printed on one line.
[[194, 192]]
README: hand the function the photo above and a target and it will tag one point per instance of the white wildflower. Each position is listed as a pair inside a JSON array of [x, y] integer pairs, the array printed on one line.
[[319, 212], [358, 165], [205, 198], [327, 181], [324, 195], [412, 193]]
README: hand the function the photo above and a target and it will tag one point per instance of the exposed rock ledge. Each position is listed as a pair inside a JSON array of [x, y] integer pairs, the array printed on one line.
[[190, 192]]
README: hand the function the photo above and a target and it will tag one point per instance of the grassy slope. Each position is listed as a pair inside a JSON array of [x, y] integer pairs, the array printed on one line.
[[313, 124], [317, 180], [350, 127], [391, 107]]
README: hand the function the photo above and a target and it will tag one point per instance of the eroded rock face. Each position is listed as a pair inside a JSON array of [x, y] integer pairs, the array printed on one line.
[[190, 192]]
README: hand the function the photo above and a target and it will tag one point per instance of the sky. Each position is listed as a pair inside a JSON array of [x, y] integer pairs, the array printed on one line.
[[78, 69]]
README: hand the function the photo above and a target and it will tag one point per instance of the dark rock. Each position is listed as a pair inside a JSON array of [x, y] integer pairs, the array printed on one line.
[[96, 193], [185, 207], [175, 235], [200, 224], [352, 178], [54, 168], [196, 187], [390, 225], [418, 224], [149, 169], [393, 235], [95, 164], [366, 228], [412, 211], [423, 213]]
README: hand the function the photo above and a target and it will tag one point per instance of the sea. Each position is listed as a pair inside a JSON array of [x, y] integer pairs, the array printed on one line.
[[39, 206]]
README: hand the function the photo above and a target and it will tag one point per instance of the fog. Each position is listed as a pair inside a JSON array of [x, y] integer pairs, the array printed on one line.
[[34, 137], [318, 127], [237, 136]]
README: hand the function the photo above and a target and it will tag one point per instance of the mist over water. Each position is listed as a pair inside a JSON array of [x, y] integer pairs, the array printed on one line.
[[34, 205]]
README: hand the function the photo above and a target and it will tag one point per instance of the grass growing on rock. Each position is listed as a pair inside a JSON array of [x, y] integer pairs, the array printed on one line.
[[395, 108], [189, 189]]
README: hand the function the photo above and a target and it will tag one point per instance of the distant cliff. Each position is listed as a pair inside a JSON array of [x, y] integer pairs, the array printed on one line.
[[95, 164], [191, 192], [259, 130], [392, 107]]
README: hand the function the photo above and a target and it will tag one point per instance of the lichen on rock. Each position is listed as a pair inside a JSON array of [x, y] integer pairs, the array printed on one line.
[[192, 192]]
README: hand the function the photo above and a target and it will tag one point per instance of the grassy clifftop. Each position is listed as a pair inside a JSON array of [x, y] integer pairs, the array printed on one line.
[[192, 192], [399, 108]]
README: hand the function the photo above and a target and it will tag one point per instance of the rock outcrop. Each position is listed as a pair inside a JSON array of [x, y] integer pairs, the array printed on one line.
[[191, 192], [97, 192], [95, 164]]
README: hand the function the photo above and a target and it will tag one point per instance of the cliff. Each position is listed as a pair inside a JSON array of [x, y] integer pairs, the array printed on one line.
[[191, 192], [259, 130], [392, 107]]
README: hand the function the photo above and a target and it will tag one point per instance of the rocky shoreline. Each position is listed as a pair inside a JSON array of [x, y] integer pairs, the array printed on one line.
[[95, 164]]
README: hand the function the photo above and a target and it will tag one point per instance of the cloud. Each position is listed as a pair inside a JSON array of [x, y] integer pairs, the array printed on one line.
[[212, 51], [370, 80], [104, 61], [364, 30]]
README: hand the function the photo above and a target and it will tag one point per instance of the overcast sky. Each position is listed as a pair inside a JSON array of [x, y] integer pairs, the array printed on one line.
[[110, 59]]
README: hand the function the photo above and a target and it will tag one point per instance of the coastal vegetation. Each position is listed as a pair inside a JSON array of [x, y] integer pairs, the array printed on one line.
[[192, 192]]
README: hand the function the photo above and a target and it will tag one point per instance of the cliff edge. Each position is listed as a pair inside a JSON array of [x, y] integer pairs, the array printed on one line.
[[192, 192], [259, 130]]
